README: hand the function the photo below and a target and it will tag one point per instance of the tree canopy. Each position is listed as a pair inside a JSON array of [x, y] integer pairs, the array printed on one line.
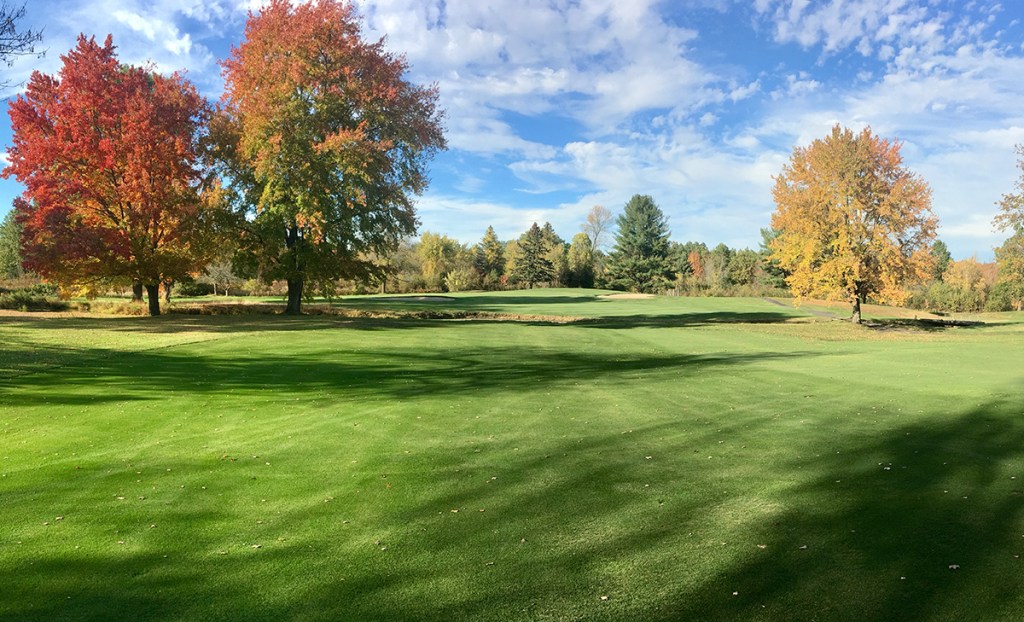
[[852, 221], [532, 264], [109, 157], [639, 260], [327, 142]]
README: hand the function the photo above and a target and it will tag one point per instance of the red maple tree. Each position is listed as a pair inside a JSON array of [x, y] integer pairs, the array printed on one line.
[[108, 154]]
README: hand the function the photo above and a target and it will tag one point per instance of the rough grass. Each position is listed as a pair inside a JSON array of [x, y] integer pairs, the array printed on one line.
[[665, 459]]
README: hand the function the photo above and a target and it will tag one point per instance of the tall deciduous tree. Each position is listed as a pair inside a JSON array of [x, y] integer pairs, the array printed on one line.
[[596, 225], [1010, 256], [639, 261], [332, 143], [109, 157], [1011, 206], [852, 221], [1010, 259], [580, 260]]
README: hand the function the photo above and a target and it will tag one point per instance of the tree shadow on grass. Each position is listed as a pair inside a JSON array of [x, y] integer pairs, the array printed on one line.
[[926, 523], [680, 320], [879, 531], [396, 373]]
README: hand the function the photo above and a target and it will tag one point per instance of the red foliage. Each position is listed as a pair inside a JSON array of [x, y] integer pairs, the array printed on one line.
[[108, 156]]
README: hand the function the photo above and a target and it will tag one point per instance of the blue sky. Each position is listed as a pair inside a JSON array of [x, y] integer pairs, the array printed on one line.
[[554, 106]]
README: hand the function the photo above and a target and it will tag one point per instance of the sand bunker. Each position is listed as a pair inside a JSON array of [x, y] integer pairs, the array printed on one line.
[[625, 296]]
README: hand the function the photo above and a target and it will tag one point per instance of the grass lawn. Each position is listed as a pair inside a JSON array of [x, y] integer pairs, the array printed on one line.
[[667, 459]]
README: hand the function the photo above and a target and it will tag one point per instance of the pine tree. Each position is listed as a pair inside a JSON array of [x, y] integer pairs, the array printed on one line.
[[533, 265], [490, 258], [639, 261]]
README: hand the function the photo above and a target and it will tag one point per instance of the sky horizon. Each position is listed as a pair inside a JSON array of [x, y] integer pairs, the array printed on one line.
[[554, 106]]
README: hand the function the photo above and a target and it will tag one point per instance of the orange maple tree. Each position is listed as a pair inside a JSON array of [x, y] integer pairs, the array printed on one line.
[[108, 156], [852, 221], [324, 142]]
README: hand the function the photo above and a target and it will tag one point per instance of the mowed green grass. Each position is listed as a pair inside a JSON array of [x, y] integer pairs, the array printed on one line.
[[668, 459]]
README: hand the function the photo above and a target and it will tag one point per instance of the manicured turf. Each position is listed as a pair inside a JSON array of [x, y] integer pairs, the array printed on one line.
[[668, 459]]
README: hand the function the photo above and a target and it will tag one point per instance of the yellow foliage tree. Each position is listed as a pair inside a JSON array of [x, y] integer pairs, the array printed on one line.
[[852, 221]]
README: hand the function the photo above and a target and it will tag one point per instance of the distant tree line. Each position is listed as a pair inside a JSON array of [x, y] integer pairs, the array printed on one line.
[[301, 181]]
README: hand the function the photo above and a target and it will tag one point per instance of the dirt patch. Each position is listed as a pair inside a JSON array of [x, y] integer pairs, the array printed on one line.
[[626, 296]]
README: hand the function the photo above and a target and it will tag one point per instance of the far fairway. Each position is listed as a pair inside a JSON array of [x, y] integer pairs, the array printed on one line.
[[545, 455]]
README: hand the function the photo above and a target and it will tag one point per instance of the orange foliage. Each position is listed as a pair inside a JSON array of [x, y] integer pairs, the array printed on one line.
[[108, 156], [852, 221]]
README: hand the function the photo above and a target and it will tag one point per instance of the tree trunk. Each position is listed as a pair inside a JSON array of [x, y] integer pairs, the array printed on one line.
[[294, 296], [167, 291], [293, 240], [855, 318], [153, 293], [136, 291]]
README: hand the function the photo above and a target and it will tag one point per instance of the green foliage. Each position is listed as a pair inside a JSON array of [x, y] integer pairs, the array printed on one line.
[[942, 258], [10, 248], [556, 254], [190, 288], [490, 259], [437, 254], [945, 297], [532, 263], [580, 262], [325, 142], [26, 300], [773, 274], [1006, 296], [639, 261], [744, 267]]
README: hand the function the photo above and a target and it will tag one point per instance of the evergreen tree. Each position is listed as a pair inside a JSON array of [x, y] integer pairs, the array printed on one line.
[[10, 248], [533, 265], [774, 275], [490, 258], [640, 262], [942, 258]]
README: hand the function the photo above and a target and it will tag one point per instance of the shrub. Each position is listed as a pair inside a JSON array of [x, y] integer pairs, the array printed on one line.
[[26, 300], [190, 288], [1006, 296]]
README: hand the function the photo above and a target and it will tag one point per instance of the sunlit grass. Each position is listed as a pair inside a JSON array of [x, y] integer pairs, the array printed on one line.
[[665, 459]]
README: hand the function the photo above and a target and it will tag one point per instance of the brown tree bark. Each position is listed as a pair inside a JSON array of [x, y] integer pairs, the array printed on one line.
[[153, 294]]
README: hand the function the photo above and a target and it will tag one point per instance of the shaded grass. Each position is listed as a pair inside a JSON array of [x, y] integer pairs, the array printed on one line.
[[645, 464]]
